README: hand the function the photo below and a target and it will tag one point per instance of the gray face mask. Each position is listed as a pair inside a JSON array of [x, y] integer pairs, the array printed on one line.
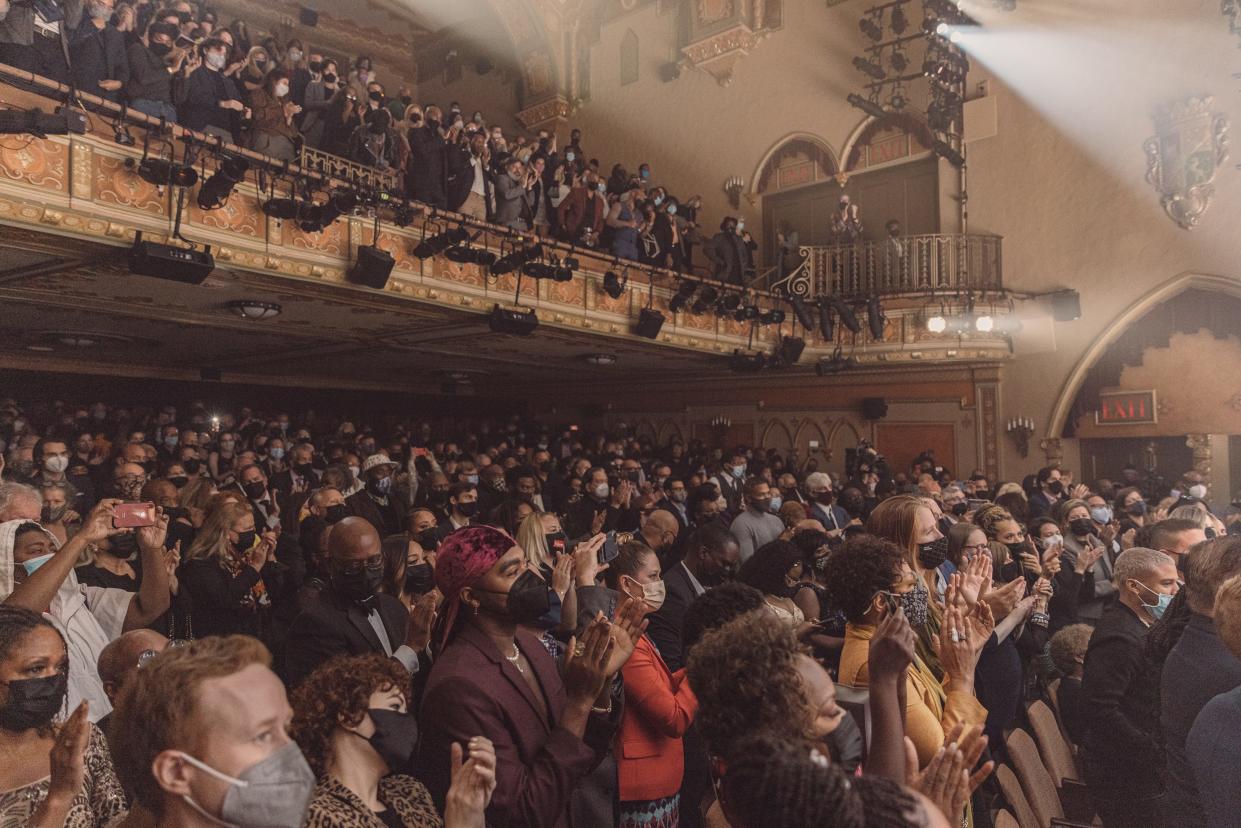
[[274, 793]]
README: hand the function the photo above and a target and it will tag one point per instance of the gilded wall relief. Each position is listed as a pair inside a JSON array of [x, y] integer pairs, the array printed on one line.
[[117, 184], [41, 163], [1189, 145]]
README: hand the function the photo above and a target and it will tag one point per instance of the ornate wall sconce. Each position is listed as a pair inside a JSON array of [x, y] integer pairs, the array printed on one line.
[[734, 186], [1019, 430], [1189, 146]]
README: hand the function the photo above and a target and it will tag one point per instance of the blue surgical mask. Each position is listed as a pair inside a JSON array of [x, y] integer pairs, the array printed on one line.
[[472, 479], [738, 471], [34, 563], [277, 454], [658, 200], [1162, 600], [568, 156], [1101, 514], [672, 209], [776, 503]]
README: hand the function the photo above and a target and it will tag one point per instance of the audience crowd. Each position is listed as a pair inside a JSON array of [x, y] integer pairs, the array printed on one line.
[[259, 619], [275, 94]]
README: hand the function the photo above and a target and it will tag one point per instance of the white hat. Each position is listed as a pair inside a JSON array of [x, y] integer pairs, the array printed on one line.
[[379, 459]]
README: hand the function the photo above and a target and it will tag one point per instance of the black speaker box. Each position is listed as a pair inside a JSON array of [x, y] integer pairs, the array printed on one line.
[[373, 267], [1066, 306], [162, 261], [516, 322], [874, 408], [309, 17], [649, 323]]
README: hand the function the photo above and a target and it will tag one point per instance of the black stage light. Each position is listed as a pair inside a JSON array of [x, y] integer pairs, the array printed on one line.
[[898, 22], [649, 323], [216, 189], [516, 322], [947, 152], [612, 284], [875, 317], [847, 317], [707, 297], [744, 363], [164, 173], [404, 214], [791, 348], [539, 270], [434, 245], [730, 302], [869, 67], [898, 60], [281, 208], [775, 316], [464, 254], [747, 313], [373, 267], [802, 312], [871, 29], [827, 326], [868, 106], [685, 292]]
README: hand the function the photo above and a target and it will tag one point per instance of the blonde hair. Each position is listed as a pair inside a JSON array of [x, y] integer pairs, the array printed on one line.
[[792, 513], [896, 520], [531, 538], [212, 541], [1228, 614]]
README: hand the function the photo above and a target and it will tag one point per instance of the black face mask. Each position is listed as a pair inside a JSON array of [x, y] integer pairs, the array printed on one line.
[[375, 95], [315, 66], [826, 497], [335, 513], [419, 578], [718, 573], [192, 466], [1055, 487], [358, 587], [329, 78], [551, 539], [1017, 549], [33, 702], [395, 737], [932, 554], [1137, 509], [179, 481], [407, 99], [255, 490], [376, 126], [959, 509], [427, 539], [432, 123], [528, 599], [161, 49], [245, 540], [1081, 526], [468, 509], [176, 512], [305, 469]]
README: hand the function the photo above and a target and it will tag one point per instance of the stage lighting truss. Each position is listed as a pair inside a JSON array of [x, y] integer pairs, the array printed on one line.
[[835, 364], [686, 289]]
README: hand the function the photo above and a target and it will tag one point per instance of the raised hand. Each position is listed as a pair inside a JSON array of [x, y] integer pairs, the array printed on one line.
[[98, 524], [891, 647], [68, 756], [153, 537], [1087, 558], [628, 626], [957, 654], [976, 579], [980, 624], [1003, 599], [422, 620], [473, 783], [562, 575], [586, 663], [586, 564]]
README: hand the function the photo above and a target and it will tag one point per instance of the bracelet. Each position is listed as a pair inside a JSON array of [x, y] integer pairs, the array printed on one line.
[[605, 711], [1040, 619]]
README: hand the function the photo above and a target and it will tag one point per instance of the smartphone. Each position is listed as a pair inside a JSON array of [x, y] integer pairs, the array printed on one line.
[[185, 42], [975, 504], [420, 452], [133, 515], [215, 423], [609, 550]]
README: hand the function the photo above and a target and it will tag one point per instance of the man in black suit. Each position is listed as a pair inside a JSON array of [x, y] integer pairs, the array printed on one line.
[[711, 558], [1119, 743], [731, 482], [377, 502], [675, 498], [34, 36], [351, 617], [1050, 490], [428, 177]]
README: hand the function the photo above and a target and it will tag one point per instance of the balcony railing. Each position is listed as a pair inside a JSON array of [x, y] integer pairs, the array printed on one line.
[[908, 264]]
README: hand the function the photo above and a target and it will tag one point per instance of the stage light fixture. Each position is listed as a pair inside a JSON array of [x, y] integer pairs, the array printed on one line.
[[685, 292], [283, 209], [802, 312], [936, 323], [404, 214], [899, 61], [163, 173], [897, 21], [947, 152], [730, 302], [706, 300], [791, 348], [464, 254], [827, 325], [612, 284], [834, 364], [875, 318], [870, 107], [440, 242], [746, 313], [539, 270], [215, 190], [869, 67], [775, 316], [847, 317], [744, 363], [984, 323], [871, 28], [254, 309], [898, 101], [650, 321]]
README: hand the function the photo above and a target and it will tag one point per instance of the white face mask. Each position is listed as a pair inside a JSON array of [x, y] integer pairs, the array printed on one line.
[[602, 490], [1198, 491], [282, 89], [56, 464], [653, 594]]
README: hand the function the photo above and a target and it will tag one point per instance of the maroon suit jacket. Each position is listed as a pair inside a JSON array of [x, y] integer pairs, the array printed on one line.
[[474, 691]]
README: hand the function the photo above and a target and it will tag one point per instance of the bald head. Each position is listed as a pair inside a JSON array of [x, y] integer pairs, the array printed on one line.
[[353, 539], [663, 521], [120, 657]]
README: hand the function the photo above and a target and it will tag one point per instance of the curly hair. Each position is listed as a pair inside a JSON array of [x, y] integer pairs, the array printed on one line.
[[338, 692], [1067, 644], [775, 782], [767, 567], [745, 677], [857, 570], [715, 608], [989, 517]]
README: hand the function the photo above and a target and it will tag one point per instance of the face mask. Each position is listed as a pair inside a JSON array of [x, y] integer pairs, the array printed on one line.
[[1055, 487], [1198, 491], [469, 509], [1081, 527], [215, 60], [740, 226], [407, 99], [672, 209], [1101, 514], [472, 479], [1016, 549], [161, 49], [932, 554], [56, 464], [255, 490], [49, 515], [34, 563], [316, 65], [295, 55], [551, 539], [568, 156], [179, 481], [245, 541], [528, 598], [379, 487], [277, 453], [1137, 509], [171, 442], [356, 471], [738, 472], [329, 79], [601, 491], [433, 123], [1052, 540], [335, 513], [914, 603], [358, 587], [419, 578], [603, 188], [427, 539], [653, 594], [679, 496], [959, 509], [376, 126], [282, 89], [1160, 606], [658, 200], [775, 504], [645, 173], [395, 737], [825, 497], [33, 702], [274, 792]]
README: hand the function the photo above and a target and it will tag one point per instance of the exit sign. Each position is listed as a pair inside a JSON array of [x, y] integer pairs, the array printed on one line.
[[1126, 408]]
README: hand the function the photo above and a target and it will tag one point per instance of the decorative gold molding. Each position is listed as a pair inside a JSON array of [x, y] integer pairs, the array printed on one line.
[[718, 55], [550, 113]]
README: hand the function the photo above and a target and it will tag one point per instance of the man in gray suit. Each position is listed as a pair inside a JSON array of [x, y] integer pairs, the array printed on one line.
[[514, 196], [33, 35]]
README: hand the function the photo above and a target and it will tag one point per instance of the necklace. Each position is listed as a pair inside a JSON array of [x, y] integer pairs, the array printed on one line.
[[513, 659]]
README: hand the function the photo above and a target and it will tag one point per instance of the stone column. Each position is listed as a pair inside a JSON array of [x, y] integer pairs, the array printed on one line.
[[1200, 444]]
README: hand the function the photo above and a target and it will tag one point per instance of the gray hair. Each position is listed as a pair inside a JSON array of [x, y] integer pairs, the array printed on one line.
[[1196, 512], [1137, 562], [818, 479], [11, 492], [951, 488]]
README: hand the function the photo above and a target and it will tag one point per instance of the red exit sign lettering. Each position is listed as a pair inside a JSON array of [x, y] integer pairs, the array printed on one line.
[[1126, 408]]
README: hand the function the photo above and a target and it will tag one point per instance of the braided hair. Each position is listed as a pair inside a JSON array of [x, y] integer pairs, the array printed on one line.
[[15, 623], [775, 782]]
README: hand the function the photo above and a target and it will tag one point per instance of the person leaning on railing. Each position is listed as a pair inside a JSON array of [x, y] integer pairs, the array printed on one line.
[[152, 63]]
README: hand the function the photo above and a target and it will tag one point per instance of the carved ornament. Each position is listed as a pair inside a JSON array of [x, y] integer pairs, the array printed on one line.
[[1189, 145]]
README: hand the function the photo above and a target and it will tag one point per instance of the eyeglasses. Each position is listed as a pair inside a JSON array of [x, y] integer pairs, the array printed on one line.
[[977, 548], [374, 564], [144, 658]]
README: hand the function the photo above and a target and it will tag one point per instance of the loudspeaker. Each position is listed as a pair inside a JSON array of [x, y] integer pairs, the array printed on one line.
[[790, 349], [649, 323], [1066, 306], [162, 261], [308, 17], [874, 408], [516, 322], [373, 267]]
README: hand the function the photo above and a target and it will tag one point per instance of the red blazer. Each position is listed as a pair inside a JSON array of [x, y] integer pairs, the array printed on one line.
[[659, 708], [474, 691]]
